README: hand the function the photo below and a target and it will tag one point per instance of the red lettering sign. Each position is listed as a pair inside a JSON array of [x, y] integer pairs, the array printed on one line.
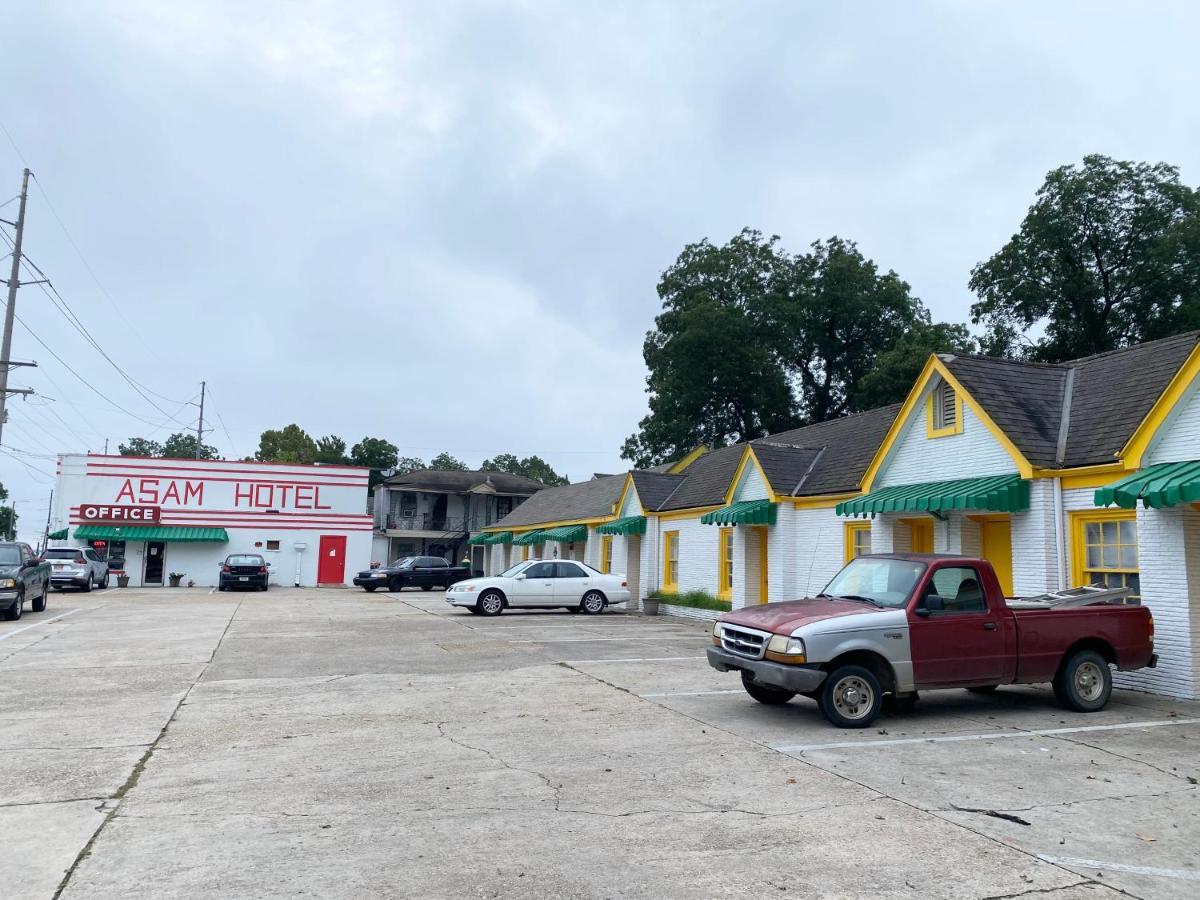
[[142, 515]]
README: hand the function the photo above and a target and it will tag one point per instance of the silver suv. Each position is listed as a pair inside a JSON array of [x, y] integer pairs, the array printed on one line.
[[79, 567]]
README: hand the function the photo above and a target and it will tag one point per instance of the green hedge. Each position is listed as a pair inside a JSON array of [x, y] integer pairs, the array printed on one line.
[[694, 599]]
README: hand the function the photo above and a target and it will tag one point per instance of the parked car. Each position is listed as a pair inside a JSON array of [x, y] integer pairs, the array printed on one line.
[[22, 577], [244, 570], [538, 583], [425, 572], [80, 567], [903, 623]]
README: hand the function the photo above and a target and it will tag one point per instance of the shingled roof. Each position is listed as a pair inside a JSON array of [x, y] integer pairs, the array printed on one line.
[[706, 481], [847, 446], [653, 488], [592, 499], [454, 481], [1109, 396]]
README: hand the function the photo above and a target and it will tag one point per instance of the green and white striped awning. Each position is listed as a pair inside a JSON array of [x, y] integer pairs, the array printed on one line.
[[567, 534], [745, 512], [996, 493], [181, 533], [492, 537], [529, 538], [628, 525], [60, 535], [1165, 484]]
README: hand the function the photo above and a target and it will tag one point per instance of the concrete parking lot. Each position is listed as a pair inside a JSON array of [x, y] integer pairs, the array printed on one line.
[[178, 743]]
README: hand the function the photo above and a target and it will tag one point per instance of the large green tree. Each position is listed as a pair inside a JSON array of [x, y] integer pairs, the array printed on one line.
[[290, 444], [331, 450], [445, 461], [380, 456], [183, 446], [715, 371], [8, 517], [137, 446], [896, 368], [1108, 255], [530, 467]]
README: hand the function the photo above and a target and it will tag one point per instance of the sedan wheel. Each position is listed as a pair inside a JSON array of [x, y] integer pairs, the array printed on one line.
[[592, 603], [490, 603]]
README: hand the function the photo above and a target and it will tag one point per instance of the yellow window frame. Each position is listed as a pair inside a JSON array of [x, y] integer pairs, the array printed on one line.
[[606, 544], [852, 537], [725, 564], [931, 430], [670, 565], [1079, 520]]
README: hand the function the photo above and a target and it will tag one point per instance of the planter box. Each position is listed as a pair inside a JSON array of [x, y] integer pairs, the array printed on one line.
[[689, 612]]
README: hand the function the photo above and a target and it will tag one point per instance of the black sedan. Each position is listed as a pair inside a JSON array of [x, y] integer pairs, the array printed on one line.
[[244, 570]]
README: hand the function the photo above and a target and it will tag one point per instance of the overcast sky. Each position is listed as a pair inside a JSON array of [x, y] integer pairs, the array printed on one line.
[[442, 223]]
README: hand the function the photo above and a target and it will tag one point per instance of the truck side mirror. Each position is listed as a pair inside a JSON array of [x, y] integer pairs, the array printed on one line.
[[933, 603]]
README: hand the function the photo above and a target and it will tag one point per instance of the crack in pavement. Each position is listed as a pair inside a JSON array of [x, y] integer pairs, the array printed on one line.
[[140, 766], [1053, 890], [50, 802]]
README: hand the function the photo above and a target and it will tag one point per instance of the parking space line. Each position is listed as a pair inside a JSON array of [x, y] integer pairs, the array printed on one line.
[[658, 637], [5, 637], [580, 662], [989, 736], [686, 694], [1182, 874]]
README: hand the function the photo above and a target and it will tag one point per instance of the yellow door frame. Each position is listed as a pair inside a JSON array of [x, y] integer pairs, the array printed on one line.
[[921, 528], [1002, 564], [763, 535]]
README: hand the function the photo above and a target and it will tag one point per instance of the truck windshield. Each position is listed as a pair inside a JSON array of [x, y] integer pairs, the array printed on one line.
[[886, 582], [9, 556]]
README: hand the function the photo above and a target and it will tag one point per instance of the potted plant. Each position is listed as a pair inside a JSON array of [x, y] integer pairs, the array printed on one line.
[[122, 580], [650, 606], [176, 577]]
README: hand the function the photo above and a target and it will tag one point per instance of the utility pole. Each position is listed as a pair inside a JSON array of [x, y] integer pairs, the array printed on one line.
[[6, 363], [200, 425], [46, 533]]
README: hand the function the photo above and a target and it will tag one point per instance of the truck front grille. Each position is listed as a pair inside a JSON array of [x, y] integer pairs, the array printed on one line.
[[743, 641]]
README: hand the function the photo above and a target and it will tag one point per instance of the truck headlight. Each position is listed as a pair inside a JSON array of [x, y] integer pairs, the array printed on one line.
[[717, 631], [7, 583], [791, 647]]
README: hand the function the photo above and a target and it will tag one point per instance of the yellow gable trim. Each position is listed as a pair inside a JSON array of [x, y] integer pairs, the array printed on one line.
[[694, 512], [628, 486], [681, 464], [935, 366], [1135, 449], [823, 501], [748, 457]]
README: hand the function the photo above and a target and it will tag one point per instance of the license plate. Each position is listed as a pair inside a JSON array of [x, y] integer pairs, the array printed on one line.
[[59, 566], [243, 578]]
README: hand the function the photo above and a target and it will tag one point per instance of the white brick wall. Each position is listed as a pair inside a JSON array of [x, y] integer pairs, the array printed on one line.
[[1035, 550], [632, 505], [816, 554], [751, 485], [697, 554], [1179, 438], [916, 458]]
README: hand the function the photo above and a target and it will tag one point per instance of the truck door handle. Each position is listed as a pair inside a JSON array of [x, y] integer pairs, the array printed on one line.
[[989, 626]]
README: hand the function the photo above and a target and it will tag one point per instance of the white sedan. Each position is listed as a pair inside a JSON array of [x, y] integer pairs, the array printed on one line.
[[541, 583]]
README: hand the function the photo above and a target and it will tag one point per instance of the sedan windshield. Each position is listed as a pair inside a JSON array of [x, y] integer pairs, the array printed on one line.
[[509, 573], [884, 582], [404, 562]]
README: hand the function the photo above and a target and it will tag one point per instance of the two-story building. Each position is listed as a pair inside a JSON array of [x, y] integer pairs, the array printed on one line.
[[434, 512]]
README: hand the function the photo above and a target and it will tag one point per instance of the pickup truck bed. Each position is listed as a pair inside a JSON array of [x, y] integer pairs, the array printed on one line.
[[902, 623]]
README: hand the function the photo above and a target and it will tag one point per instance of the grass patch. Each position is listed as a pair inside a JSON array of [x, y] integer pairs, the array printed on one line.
[[694, 599]]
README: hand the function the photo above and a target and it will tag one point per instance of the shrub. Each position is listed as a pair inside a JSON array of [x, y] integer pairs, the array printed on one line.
[[694, 599]]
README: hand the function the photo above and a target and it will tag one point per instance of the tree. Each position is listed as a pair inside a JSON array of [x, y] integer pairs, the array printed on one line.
[[1108, 255], [289, 444], [140, 447], [530, 467], [896, 369], [380, 456], [836, 314], [331, 450], [445, 461], [183, 446], [406, 464], [8, 517], [715, 373]]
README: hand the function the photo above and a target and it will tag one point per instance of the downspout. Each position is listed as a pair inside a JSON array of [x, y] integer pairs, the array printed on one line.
[[1064, 429]]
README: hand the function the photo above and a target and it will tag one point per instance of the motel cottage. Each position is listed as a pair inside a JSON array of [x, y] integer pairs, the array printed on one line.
[[151, 517], [1061, 475]]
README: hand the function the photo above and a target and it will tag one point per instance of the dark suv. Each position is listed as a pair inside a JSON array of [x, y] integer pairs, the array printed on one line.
[[246, 570]]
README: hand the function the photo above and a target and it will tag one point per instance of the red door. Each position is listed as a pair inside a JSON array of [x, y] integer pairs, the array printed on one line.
[[331, 564]]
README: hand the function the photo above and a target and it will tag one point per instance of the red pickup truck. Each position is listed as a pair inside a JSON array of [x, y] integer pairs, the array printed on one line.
[[901, 623]]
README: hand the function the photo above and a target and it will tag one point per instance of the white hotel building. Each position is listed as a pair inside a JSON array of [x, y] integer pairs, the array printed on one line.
[[154, 517]]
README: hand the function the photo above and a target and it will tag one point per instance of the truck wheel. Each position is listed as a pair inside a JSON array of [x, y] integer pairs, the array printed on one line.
[[767, 695], [1084, 683], [18, 607], [490, 603], [851, 697], [39, 605], [592, 603]]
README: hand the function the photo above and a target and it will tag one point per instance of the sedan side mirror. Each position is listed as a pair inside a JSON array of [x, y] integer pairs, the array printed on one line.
[[520, 576]]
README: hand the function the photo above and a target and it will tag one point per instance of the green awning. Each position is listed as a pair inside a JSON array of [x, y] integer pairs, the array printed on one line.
[[1165, 484], [492, 537], [177, 533], [60, 535], [480, 538], [628, 525], [997, 493], [567, 534], [744, 512], [529, 538]]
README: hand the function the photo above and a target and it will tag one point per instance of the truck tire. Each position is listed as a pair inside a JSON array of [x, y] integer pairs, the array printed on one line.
[[851, 697], [490, 603], [39, 605], [768, 696], [1084, 683], [18, 607]]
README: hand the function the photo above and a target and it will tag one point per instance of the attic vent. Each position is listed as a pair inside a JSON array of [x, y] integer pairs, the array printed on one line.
[[945, 408]]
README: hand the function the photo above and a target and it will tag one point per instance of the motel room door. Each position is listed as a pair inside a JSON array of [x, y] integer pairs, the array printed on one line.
[[331, 559], [155, 561]]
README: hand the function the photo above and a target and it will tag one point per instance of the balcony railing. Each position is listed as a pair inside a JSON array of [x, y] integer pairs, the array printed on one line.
[[431, 522]]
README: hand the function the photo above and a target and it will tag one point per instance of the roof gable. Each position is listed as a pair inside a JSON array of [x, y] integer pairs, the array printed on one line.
[[594, 499]]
